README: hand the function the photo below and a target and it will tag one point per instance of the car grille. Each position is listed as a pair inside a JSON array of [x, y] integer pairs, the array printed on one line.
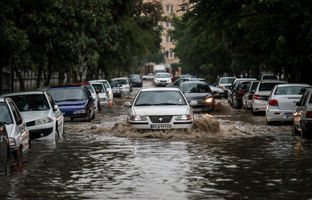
[[160, 119], [32, 123], [163, 81]]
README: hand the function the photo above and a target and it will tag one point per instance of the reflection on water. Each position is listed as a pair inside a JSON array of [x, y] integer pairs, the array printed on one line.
[[84, 166]]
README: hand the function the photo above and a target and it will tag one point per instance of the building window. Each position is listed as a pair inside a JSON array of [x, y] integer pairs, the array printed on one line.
[[171, 54], [169, 8], [167, 54], [168, 39], [168, 24]]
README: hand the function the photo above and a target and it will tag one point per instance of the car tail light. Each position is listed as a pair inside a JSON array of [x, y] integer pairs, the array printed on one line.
[[241, 93], [257, 96], [309, 114], [273, 102], [250, 96]]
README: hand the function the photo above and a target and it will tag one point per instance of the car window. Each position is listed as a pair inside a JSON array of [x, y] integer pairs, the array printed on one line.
[[50, 99], [122, 82], [106, 84], [148, 98], [162, 75], [88, 93], [266, 86], [99, 87], [5, 115], [254, 86], [16, 115], [90, 89], [114, 84], [227, 80], [291, 90], [67, 94], [31, 102], [195, 88]]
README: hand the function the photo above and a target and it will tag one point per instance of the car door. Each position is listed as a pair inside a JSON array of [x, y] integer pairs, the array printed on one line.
[[56, 113], [22, 131], [300, 109]]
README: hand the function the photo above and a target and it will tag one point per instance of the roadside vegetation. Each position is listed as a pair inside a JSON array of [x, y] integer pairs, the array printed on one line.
[[99, 37], [246, 37]]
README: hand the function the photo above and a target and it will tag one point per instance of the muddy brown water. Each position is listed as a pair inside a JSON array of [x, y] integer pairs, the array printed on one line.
[[229, 154]]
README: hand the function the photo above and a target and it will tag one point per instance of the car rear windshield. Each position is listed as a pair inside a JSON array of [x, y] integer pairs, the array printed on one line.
[[254, 86], [195, 88], [122, 82], [266, 86], [31, 102], [5, 116], [162, 75], [98, 87], [291, 90], [67, 94], [227, 80], [150, 98]]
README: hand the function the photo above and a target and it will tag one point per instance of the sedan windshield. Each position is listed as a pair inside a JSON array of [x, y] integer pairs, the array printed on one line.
[[5, 116], [150, 98], [291, 90], [195, 88], [67, 94], [162, 75], [31, 102], [227, 80]]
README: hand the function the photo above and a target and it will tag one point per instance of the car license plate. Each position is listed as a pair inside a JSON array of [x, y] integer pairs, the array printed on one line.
[[161, 126], [288, 115]]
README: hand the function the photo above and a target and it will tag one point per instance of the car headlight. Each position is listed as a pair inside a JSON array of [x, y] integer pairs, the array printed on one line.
[[109, 92], [184, 117], [43, 121], [81, 111], [156, 81], [169, 81], [209, 100], [138, 118]]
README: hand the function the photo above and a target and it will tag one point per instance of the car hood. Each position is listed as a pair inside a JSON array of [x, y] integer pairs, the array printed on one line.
[[34, 115], [160, 110], [72, 103], [196, 96], [213, 88]]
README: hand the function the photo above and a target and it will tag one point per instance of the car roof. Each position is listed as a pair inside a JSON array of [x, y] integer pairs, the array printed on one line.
[[119, 78], [98, 80], [66, 86], [293, 84], [160, 89], [24, 93], [273, 81]]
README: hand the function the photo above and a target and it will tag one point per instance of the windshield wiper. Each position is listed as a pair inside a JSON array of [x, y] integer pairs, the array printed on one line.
[[144, 104]]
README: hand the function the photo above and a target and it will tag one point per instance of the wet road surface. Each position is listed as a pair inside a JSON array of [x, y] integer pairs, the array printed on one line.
[[245, 159]]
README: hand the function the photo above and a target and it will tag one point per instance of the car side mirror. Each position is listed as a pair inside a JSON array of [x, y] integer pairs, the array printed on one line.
[[119, 85], [127, 104], [298, 103], [193, 103], [55, 107]]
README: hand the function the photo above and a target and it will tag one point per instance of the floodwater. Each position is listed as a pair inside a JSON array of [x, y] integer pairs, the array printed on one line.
[[236, 157]]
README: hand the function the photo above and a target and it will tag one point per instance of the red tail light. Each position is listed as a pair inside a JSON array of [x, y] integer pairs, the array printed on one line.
[[273, 102], [241, 93], [250, 96], [257, 96], [309, 114]]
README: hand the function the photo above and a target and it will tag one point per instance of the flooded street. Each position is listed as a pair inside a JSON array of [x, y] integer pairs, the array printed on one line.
[[229, 154]]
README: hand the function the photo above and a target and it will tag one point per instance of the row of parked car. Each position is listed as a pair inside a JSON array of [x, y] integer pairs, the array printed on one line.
[[25, 116], [279, 100]]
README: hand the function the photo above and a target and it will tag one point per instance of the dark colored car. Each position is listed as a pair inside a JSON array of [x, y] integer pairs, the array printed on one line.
[[75, 101], [4, 144], [200, 92], [135, 80], [238, 92]]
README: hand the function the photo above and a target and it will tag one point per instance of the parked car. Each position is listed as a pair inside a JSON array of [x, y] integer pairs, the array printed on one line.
[[263, 77], [200, 93], [115, 88], [162, 79], [15, 126], [238, 91], [262, 93], [94, 95], [101, 91], [42, 116], [282, 102], [302, 117], [149, 76], [108, 89], [74, 101], [124, 84], [225, 83], [160, 108], [218, 92], [135, 80], [4, 144], [235, 88], [177, 82], [247, 98]]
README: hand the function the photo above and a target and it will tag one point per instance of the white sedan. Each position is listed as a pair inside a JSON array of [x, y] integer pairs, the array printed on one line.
[[164, 108], [41, 114], [282, 102]]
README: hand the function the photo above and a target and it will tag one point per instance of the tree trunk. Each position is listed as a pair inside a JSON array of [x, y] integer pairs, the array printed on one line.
[[61, 77], [39, 76]]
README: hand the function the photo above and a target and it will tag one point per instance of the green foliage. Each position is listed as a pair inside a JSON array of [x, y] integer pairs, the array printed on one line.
[[74, 36], [245, 37]]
